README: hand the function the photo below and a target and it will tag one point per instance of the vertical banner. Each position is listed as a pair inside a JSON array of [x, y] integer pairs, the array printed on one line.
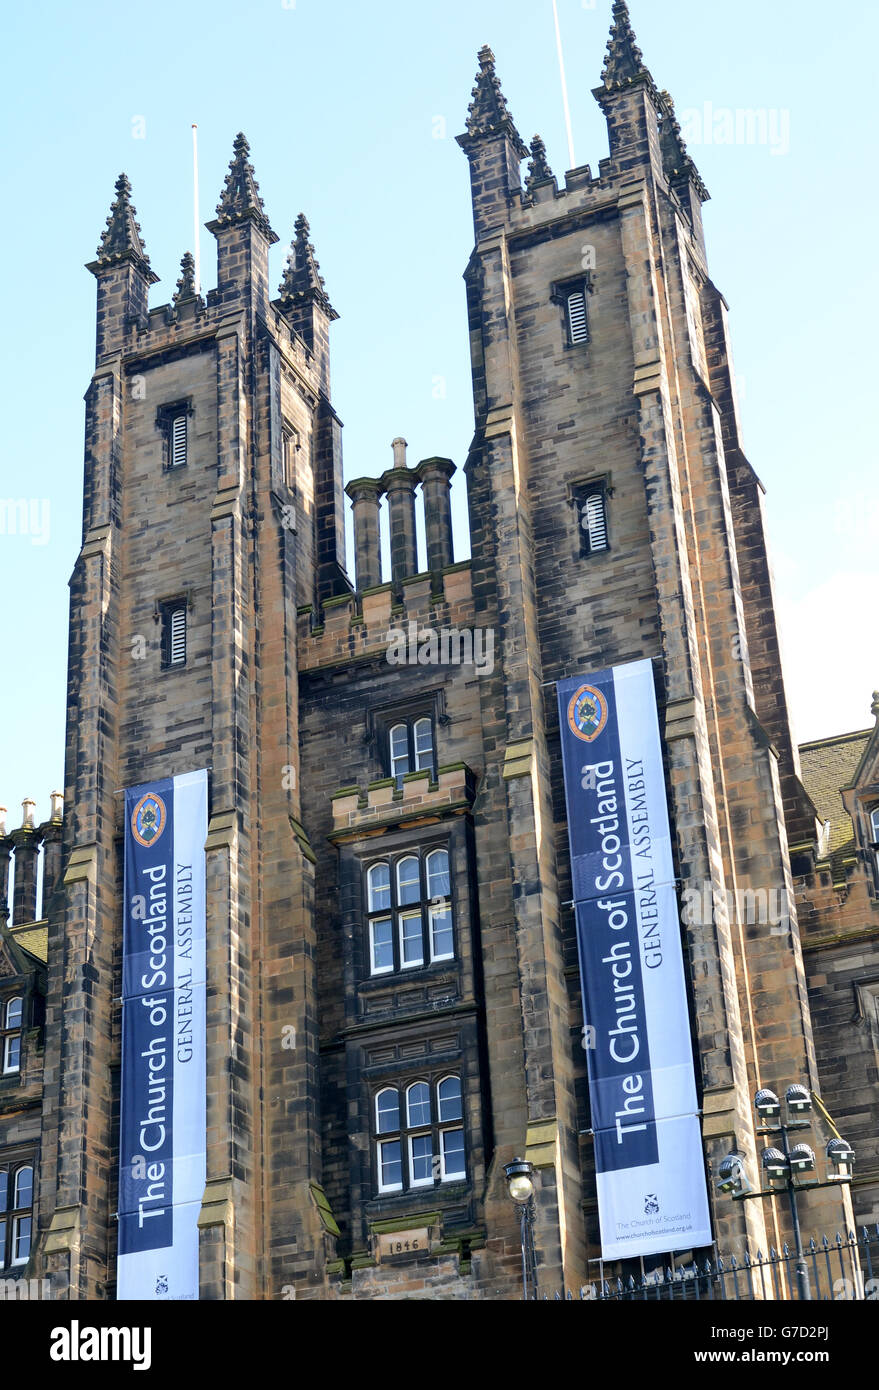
[[162, 1141], [652, 1195]]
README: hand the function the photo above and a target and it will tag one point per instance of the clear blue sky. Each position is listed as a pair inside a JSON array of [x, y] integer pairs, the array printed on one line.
[[339, 100]]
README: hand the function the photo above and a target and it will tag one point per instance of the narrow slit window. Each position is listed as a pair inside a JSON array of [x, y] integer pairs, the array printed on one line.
[[578, 327]]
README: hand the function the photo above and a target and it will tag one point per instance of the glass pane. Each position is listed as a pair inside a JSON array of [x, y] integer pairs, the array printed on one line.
[[438, 874], [13, 1013], [421, 1148], [408, 881], [442, 942], [390, 1161], [449, 1093], [411, 943], [453, 1153], [4, 1185], [399, 742], [379, 887], [2, 1243], [21, 1239], [418, 1103], [12, 1057], [24, 1188], [423, 745], [381, 933], [875, 820], [387, 1109]]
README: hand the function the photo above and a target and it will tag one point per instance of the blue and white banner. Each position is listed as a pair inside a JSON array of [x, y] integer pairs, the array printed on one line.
[[652, 1195], [163, 1123]]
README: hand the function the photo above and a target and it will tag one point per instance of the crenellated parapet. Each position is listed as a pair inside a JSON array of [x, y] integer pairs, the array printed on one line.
[[358, 812], [384, 622]]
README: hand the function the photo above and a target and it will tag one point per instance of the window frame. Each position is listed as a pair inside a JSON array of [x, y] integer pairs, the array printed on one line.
[[407, 1134], [581, 495], [167, 417], [563, 291], [166, 611], [9, 1035], [413, 756], [425, 907], [12, 1215]]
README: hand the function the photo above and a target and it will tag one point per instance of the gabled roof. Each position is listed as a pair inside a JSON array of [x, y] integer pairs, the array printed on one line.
[[828, 765]]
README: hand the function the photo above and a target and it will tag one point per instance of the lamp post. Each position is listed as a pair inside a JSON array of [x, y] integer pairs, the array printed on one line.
[[520, 1184], [785, 1168]]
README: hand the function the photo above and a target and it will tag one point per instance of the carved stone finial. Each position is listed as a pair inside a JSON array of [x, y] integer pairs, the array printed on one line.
[[874, 709], [488, 114], [538, 165], [121, 239], [624, 59], [186, 284], [302, 278], [240, 198]]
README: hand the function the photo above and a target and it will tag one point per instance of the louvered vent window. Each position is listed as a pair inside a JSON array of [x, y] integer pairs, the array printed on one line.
[[174, 633], [178, 441], [591, 505], [595, 522], [577, 325]]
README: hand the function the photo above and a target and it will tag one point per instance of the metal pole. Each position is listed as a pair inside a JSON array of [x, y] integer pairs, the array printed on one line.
[[195, 227], [802, 1269], [568, 128]]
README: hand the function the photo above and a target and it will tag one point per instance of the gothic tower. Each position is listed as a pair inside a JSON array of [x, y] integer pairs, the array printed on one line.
[[393, 1003], [212, 507]]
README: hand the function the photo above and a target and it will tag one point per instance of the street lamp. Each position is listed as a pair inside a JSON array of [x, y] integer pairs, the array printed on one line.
[[520, 1184], [786, 1168]]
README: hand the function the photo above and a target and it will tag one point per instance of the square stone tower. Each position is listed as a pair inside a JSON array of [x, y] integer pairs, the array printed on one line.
[[393, 1001]]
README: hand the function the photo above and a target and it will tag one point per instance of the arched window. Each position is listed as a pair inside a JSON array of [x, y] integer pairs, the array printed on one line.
[[398, 740], [389, 1152], [424, 745], [426, 1143], [442, 938], [10, 1034], [410, 748], [410, 919], [381, 924], [594, 522], [874, 824], [453, 1165], [418, 1105], [16, 1214]]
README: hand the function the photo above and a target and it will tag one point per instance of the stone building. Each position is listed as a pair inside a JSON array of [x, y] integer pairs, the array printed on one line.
[[394, 1006]]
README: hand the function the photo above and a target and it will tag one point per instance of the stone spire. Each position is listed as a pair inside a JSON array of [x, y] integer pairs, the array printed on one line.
[[121, 239], [624, 61], [488, 114], [302, 279], [538, 166], [240, 198], [675, 161], [186, 284]]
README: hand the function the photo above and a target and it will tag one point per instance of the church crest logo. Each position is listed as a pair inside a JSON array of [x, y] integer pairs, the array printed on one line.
[[587, 713], [148, 819], [651, 1204]]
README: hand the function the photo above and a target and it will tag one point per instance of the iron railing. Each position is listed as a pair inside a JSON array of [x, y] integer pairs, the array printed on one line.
[[846, 1268]]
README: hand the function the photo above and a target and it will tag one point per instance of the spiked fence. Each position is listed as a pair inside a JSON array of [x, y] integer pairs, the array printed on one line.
[[846, 1268]]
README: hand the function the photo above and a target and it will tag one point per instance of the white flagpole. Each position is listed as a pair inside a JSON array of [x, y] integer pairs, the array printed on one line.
[[195, 227], [558, 40]]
